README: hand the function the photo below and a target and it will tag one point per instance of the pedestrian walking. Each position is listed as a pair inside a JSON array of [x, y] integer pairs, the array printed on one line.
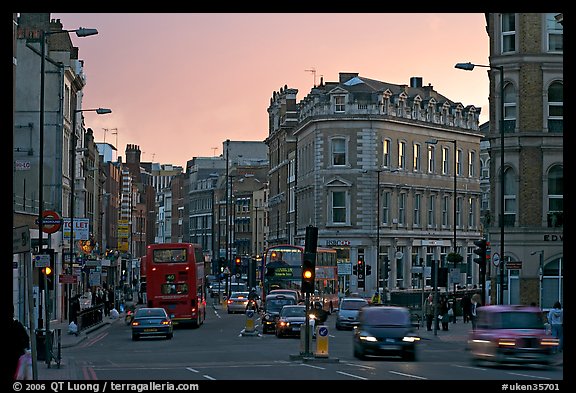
[[466, 304], [445, 317], [429, 311], [18, 342], [473, 309], [556, 321]]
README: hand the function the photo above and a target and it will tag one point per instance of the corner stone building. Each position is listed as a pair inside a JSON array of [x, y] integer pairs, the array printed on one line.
[[353, 158]]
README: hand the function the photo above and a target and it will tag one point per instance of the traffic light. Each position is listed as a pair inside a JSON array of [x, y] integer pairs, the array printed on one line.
[[481, 252], [368, 270], [361, 271], [308, 273], [237, 265], [48, 271], [386, 268]]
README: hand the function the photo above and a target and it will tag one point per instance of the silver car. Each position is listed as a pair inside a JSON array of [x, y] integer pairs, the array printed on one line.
[[347, 316], [237, 302]]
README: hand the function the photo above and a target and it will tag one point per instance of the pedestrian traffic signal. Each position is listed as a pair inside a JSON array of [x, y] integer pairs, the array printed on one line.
[[308, 273], [481, 252]]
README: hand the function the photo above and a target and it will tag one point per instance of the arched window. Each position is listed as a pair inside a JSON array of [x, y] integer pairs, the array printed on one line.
[[509, 107], [509, 197], [556, 107]]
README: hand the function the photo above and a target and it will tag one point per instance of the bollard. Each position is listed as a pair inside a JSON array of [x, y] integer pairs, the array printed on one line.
[[321, 341], [249, 328]]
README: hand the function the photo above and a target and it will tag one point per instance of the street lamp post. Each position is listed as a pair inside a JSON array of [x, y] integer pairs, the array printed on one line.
[[469, 67], [100, 111], [378, 237], [454, 207], [540, 274], [80, 32]]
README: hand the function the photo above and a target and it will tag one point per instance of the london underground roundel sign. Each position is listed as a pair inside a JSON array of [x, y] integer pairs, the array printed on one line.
[[51, 221]]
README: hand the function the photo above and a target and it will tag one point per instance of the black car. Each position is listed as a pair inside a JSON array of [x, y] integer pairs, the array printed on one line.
[[385, 331], [272, 306]]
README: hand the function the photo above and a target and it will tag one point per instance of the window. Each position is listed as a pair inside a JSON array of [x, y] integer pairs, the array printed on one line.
[[401, 155], [445, 208], [430, 159], [402, 209], [555, 32], [386, 153], [471, 215], [509, 108], [431, 211], [458, 221], [417, 159], [417, 199], [339, 104], [339, 210], [508, 23], [556, 107], [459, 162], [385, 207], [445, 160], [338, 151], [556, 197], [509, 198], [471, 163]]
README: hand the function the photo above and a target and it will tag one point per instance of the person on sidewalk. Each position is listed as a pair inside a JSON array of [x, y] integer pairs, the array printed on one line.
[[556, 321], [473, 310], [376, 298], [18, 342], [444, 307], [466, 304], [429, 311]]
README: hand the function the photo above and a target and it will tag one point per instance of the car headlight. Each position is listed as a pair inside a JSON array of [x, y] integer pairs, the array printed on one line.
[[410, 339], [365, 336]]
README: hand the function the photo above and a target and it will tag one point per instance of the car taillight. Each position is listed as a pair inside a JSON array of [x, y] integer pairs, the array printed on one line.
[[549, 342]]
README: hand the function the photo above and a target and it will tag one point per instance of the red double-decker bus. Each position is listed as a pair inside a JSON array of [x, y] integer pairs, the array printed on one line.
[[175, 281]]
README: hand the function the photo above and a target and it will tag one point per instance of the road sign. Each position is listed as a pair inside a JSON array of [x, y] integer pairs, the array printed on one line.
[[496, 259], [41, 260]]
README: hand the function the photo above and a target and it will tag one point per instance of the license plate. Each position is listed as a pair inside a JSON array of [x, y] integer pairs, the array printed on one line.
[[150, 330], [390, 347], [296, 329]]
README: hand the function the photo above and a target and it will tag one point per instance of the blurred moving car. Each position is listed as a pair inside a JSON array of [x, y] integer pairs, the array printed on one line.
[[216, 288], [348, 310], [292, 320], [272, 306], [511, 334], [151, 322], [385, 331]]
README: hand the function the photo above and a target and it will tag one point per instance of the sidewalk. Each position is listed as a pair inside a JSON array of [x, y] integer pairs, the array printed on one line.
[[64, 372]]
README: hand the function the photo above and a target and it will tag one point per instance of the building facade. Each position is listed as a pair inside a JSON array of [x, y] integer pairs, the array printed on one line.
[[529, 48], [371, 164]]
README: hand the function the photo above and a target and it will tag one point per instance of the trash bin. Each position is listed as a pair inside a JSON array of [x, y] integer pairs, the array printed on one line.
[[41, 342]]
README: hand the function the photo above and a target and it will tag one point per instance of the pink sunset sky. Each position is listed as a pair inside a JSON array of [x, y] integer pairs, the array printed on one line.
[[180, 84]]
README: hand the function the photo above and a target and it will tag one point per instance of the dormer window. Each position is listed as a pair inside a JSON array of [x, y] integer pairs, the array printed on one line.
[[339, 104]]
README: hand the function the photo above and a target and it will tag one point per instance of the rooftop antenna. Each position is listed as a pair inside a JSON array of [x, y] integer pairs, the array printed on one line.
[[313, 71], [116, 146], [214, 151], [106, 130]]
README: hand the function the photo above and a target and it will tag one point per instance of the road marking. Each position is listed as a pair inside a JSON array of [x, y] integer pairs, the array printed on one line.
[[352, 375], [407, 375]]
